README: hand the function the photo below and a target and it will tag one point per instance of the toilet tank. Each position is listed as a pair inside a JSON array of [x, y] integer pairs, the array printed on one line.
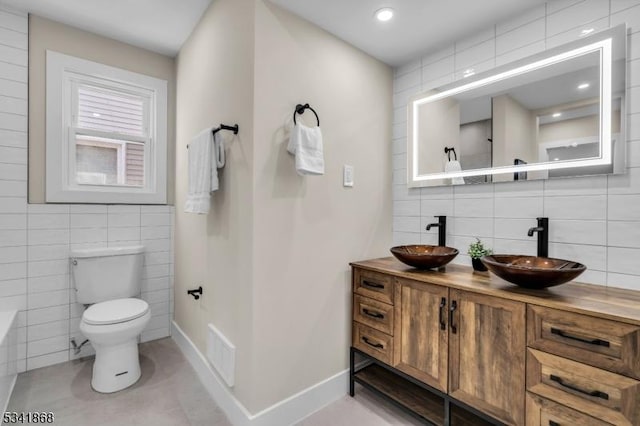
[[106, 274]]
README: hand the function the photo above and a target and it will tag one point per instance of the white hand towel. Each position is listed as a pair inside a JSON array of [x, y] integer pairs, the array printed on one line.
[[451, 167], [205, 156], [306, 144], [218, 160]]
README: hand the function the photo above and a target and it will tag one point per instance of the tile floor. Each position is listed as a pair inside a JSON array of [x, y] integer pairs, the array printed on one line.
[[364, 409], [169, 393]]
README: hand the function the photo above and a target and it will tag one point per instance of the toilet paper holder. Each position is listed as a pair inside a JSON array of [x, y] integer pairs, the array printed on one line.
[[196, 293]]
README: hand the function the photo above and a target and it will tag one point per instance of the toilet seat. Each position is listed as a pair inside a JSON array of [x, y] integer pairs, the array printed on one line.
[[115, 311]]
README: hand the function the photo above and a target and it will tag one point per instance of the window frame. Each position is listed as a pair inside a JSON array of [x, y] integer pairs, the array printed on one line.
[[64, 76]]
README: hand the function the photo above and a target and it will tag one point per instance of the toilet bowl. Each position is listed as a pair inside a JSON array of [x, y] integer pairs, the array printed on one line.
[[108, 280], [113, 327]]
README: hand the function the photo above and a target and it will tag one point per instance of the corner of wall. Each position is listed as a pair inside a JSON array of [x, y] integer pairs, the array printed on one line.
[[214, 74]]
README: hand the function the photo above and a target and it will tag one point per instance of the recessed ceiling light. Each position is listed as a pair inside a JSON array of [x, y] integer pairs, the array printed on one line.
[[556, 114], [584, 86], [556, 159], [586, 32], [384, 14], [95, 114]]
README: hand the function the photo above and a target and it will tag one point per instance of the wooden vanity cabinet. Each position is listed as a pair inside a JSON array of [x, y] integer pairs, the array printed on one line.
[[468, 345], [474, 349]]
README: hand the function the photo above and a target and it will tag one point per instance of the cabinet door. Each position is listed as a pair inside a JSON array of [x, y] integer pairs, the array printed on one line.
[[420, 335], [487, 354]]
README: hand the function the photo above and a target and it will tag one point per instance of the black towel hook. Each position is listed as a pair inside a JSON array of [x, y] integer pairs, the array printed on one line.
[[300, 110], [448, 152]]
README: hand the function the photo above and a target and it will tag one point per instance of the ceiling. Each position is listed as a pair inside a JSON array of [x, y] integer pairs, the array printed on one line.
[[158, 25], [418, 27]]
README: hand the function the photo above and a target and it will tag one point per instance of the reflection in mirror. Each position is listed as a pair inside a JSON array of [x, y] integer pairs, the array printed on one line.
[[556, 114]]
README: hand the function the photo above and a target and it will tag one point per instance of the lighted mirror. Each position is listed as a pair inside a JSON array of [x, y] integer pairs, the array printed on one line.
[[556, 114]]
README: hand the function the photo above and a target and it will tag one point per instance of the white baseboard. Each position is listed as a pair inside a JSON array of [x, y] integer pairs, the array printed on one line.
[[285, 412]]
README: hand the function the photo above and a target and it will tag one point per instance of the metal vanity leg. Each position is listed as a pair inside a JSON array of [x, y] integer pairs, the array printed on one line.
[[351, 372], [447, 412]]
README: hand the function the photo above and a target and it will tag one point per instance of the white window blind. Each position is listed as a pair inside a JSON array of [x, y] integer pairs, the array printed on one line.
[[108, 111]]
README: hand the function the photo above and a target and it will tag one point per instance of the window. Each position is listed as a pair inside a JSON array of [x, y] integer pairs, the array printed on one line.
[[106, 134]]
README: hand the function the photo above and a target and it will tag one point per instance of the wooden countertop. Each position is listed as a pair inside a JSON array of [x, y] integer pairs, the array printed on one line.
[[610, 303]]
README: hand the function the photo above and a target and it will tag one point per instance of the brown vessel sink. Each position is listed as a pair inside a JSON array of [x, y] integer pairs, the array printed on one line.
[[424, 256], [531, 271]]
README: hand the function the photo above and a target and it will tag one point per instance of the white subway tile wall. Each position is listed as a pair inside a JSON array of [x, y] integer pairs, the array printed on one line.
[[35, 239], [594, 220]]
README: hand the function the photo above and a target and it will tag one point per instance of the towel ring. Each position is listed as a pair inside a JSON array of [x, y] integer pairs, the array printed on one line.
[[300, 110], [448, 152]]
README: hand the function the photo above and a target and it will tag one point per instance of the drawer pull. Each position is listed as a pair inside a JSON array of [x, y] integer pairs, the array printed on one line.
[[454, 306], [375, 345], [372, 314], [552, 423], [443, 303], [597, 342], [596, 394], [371, 285]]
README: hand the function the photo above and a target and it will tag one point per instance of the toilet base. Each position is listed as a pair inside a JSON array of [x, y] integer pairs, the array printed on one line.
[[115, 367]]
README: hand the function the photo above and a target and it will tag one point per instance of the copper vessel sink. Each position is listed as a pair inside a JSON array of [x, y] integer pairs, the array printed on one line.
[[531, 271], [424, 256]]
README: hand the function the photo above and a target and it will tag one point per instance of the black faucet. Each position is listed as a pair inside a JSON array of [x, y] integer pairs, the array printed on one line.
[[543, 236], [442, 229]]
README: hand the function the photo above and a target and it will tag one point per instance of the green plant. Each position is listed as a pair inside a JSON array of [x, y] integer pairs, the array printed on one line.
[[477, 250]]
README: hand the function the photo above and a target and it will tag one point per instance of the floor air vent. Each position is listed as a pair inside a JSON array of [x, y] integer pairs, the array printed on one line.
[[221, 354]]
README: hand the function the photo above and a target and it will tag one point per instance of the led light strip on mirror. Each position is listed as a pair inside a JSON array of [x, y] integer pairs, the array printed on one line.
[[605, 49]]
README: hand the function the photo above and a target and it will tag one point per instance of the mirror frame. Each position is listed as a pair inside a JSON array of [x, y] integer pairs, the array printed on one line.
[[602, 42]]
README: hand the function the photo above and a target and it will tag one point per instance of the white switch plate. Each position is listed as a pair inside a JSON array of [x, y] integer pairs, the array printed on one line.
[[347, 176]]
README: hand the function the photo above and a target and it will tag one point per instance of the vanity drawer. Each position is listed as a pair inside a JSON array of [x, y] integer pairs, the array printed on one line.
[[601, 394], [542, 412], [373, 284], [375, 314], [373, 342], [606, 344]]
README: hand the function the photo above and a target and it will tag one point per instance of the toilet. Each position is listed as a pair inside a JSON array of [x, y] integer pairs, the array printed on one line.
[[109, 280]]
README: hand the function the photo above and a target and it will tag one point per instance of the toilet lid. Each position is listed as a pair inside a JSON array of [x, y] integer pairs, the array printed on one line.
[[115, 311]]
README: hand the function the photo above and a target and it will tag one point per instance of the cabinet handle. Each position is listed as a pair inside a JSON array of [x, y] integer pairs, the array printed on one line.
[[597, 342], [552, 423], [443, 303], [596, 394], [371, 285], [375, 345], [454, 306], [377, 315]]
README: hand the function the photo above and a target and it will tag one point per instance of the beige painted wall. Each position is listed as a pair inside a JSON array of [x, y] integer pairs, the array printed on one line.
[[45, 34], [215, 85], [514, 130], [308, 229], [273, 253], [435, 137]]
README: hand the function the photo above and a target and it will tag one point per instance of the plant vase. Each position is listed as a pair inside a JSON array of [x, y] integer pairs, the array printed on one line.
[[478, 265]]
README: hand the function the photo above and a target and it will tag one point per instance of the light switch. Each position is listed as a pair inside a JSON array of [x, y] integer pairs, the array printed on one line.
[[347, 176]]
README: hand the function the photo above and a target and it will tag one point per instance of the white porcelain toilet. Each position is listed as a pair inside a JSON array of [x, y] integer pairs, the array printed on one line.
[[109, 279]]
